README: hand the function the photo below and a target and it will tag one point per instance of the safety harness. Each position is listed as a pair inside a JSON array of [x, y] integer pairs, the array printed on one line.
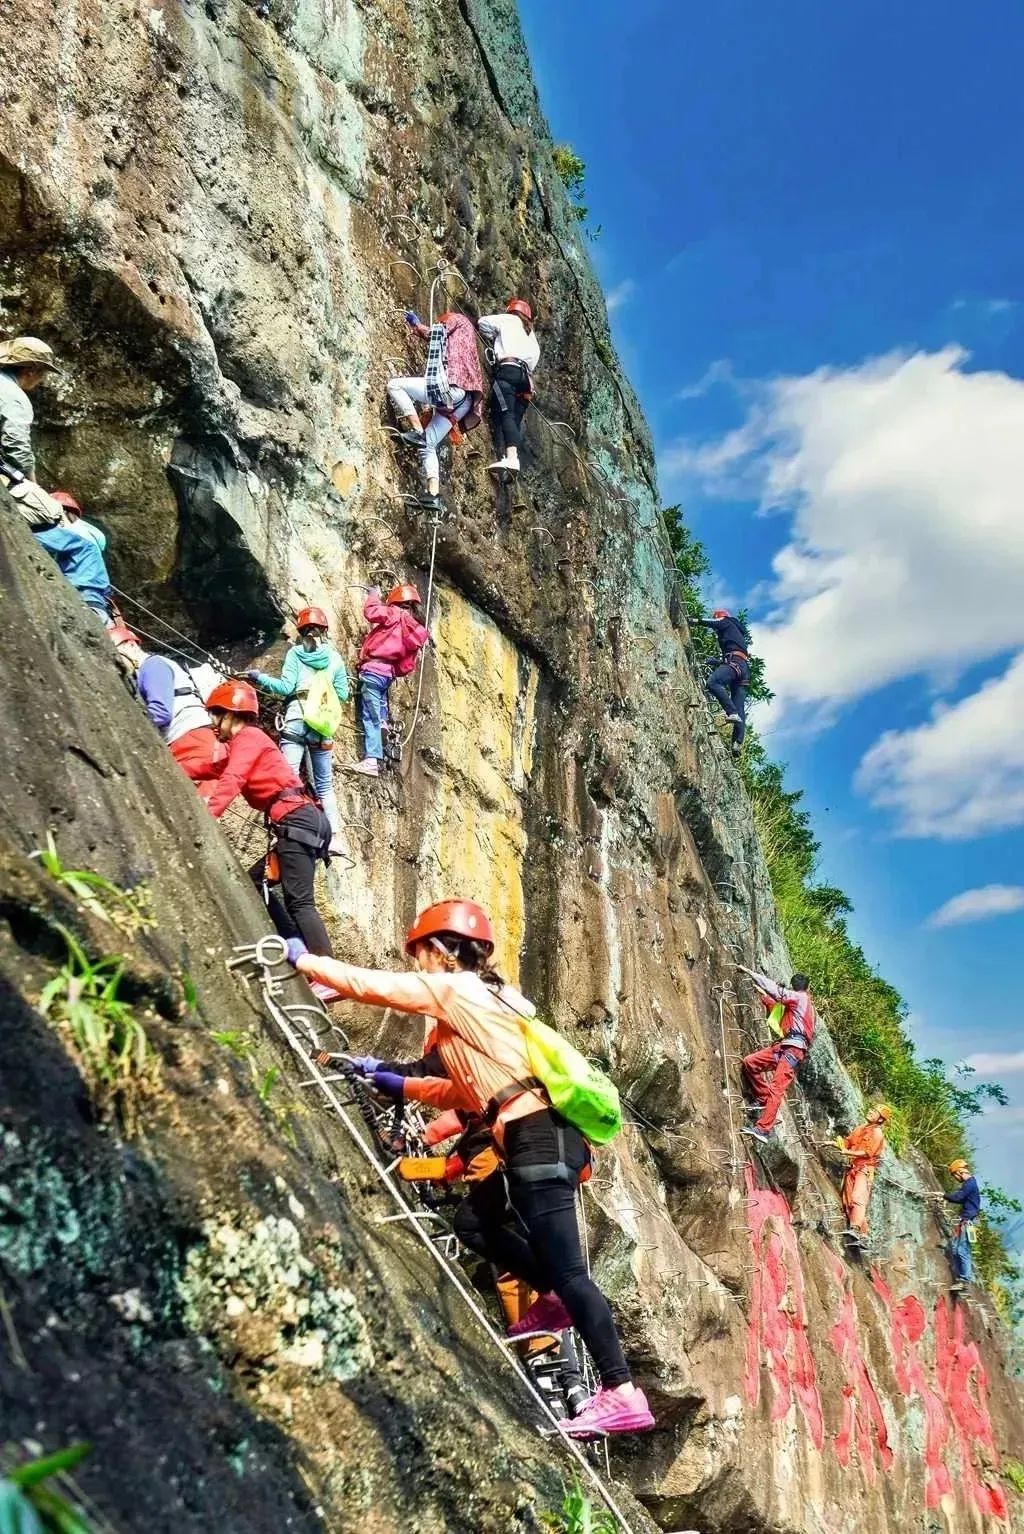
[[543, 1171]]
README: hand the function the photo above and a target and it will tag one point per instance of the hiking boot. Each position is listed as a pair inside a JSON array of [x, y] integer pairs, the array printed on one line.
[[413, 438], [623, 1409], [546, 1314], [737, 750], [369, 767], [757, 1134], [429, 502]]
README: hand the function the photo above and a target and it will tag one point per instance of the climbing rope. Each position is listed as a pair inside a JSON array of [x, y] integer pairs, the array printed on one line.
[[294, 1020]]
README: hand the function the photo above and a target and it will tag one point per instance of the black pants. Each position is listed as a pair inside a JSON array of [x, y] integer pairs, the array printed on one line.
[[294, 912], [530, 1230], [728, 683], [508, 382]]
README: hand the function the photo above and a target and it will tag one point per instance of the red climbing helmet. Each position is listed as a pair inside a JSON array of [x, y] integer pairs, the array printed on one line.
[[460, 918], [721, 612], [121, 635], [312, 618], [521, 307], [402, 594], [66, 499], [235, 698]]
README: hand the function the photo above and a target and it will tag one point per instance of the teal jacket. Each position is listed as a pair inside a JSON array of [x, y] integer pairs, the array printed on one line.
[[292, 681]]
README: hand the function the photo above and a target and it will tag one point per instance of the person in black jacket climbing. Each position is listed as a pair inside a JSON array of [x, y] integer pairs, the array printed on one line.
[[729, 680]]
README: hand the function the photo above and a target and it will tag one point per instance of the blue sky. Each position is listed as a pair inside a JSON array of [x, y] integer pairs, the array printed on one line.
[[813, 241]]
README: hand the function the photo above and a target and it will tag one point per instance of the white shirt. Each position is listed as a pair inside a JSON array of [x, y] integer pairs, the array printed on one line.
[[510, 340]]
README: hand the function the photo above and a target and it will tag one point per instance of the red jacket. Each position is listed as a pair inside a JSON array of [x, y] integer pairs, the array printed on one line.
[[394, 641], [256, 769]]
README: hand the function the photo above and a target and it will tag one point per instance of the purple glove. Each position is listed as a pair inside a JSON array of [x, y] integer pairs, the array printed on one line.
[[412, 318], [390, 1085], [365, 1064], [294, 949]]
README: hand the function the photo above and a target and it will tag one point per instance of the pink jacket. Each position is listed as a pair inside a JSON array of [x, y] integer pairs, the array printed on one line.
[[394, 641], [479, 1037]]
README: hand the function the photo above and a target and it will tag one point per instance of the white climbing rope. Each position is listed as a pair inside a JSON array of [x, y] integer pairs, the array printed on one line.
[[265, 954], [421, 669]]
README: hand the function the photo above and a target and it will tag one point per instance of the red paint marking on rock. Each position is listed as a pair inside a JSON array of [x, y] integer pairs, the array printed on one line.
[[863, 1417], [777, 1325]]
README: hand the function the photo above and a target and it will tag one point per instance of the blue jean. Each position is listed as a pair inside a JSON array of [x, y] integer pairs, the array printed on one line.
[[728, 683], [293, 749], [961, 1258], [373, 711]]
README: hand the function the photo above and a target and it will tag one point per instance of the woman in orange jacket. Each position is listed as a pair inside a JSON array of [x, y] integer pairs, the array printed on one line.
[[524, 1221], [863, 1149]]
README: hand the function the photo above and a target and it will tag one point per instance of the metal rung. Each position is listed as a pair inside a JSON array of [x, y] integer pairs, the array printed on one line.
[[315, 1082], [408, 1214]]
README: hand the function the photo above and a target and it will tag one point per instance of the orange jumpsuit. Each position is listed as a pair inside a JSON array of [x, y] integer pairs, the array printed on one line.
[[867, 1141]]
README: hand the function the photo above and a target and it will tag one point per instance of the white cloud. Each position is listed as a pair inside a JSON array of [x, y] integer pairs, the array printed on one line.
[[621, 294], [717, 372], [962, 773], [905, 553], [996, 1065], [979, 905]]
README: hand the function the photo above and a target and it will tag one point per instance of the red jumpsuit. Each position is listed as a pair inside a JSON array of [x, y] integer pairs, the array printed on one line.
[[770, 1072]]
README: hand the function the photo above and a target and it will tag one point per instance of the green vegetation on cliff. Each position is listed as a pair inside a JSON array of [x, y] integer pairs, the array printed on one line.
[[866, 1015]]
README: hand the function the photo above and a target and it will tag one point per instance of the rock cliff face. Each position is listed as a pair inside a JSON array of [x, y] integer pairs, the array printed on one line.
[[218, 221]]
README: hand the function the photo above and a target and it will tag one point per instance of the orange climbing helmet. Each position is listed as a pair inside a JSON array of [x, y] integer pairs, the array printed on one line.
[[402, 594], [312, 618], [455, 918], [234, 698], [121, 635], [521, 307], [884, 1112], [721, 612], [959, 1165], [66, 499]]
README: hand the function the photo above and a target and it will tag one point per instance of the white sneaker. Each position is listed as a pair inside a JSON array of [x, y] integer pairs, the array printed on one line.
[[499, 466], [369, 767], [734, 718]]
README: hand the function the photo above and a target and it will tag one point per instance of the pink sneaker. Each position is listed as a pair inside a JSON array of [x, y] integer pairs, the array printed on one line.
[[621, 1410], [547, 1314]]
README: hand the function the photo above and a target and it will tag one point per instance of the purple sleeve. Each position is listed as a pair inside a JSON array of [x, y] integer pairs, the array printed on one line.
[[156, 689], [769, 988]]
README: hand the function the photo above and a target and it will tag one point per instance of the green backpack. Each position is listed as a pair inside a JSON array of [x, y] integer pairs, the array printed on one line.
[[321, 706], [578, 1090]]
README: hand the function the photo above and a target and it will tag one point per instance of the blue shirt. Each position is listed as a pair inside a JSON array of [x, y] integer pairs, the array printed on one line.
[[80, 559], [968, 1196]]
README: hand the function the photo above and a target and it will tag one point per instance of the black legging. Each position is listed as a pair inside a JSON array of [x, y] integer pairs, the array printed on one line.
[[509, 381], [530, 1230], [294, 912]]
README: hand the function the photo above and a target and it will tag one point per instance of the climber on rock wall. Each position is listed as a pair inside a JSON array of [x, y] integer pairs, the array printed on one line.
[[76, 519], [967, 1198], [863, 1149], [256, 769], [516, 352], [770, 1072], [729, 681], [452, 386], [389, 650], [24, 363], [525, 1221], [80, 560], [172, 696], [314, 680]]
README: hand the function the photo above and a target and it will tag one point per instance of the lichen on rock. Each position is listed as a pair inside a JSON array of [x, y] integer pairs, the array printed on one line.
[[253, 1290]]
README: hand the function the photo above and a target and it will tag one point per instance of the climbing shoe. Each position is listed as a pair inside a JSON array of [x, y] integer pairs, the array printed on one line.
[[413, 438], [621, 1410], [757, 1134], [369, 767], [429, 502], [734, 719], [546, 1314], [737, 751]]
